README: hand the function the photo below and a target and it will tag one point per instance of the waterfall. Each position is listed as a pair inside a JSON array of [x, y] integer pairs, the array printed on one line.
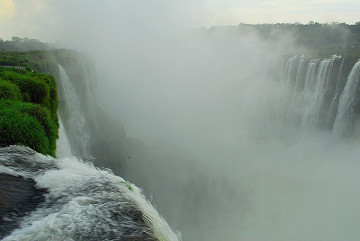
[[289, 72], [75, 121], [299, 82], [344, 117], [71, 198], [335, 101], [307, 96], [316, 92], [63, 148]]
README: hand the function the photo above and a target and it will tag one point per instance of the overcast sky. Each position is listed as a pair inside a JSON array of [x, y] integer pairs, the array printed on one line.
[[41, 18]]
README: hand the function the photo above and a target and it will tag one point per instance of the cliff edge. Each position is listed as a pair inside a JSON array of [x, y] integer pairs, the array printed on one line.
[[28, 109]]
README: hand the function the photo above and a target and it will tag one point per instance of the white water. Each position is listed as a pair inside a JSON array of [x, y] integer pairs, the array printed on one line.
[[76, 123], [321, 103], [83, 203], [315, 94], [344, 117], [299, 73], [63, 148], [335, 101], [289, 68]]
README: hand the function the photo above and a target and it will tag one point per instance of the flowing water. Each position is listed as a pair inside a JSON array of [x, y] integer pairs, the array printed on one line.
[[63, 148], [75, 122], [81, 202], [73, 200], [347, 103], [317, 94]]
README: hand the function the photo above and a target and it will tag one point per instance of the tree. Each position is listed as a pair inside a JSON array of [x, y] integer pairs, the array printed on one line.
[[16, 39]]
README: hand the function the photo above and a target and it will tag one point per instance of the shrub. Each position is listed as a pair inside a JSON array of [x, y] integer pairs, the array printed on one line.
[[28, 110], [22, 129], [9, 90], [43, 116], [29, 85]]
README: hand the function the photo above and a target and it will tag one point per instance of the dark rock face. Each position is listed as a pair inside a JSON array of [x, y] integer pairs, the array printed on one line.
[[18, 196]]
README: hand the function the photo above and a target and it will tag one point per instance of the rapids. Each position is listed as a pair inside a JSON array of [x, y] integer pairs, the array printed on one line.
[[81, 202]]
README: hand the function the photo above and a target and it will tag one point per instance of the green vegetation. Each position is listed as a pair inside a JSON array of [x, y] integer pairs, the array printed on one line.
[[22, 44], [28, 109], [41, 61], [320, 39], [127, 185], [10, 91], [39, 89], [46, 61]]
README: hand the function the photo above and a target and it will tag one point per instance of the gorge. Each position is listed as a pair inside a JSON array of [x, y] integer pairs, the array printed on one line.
[[232, 137]]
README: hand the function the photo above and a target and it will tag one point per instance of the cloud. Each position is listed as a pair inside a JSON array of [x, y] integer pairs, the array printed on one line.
[[7, 8], [232, 12], [49, 20], [27, 18]]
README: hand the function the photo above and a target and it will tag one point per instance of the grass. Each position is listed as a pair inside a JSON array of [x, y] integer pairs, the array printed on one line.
[[28, 110], [10, 91]]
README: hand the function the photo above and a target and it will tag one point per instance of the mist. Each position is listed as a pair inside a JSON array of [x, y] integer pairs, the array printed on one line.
[[206, 113], [219, 160]]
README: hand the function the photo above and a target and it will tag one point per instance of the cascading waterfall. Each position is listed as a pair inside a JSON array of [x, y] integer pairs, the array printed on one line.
[[63, 148], [307, 95], [299, 75], [317, 95], [75, 121], [344, 117], [335, 101], [73, 200], [289, 70]]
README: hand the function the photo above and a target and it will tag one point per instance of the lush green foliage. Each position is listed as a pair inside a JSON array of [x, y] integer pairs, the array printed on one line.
[[321, 39], [10, 91], [23, 44], [38, 88], [28, 110], [43, 61], [37, 60], [19, 128]]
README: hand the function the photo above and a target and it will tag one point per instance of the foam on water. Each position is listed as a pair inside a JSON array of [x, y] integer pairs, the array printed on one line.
[[83, 202]]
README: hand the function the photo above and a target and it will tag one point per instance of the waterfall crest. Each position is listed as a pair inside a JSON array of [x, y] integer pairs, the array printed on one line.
[[321, 93], [344, 117], [81, 202]]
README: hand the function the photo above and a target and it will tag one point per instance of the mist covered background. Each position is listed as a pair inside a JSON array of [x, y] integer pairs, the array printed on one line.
[[206, 113]]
